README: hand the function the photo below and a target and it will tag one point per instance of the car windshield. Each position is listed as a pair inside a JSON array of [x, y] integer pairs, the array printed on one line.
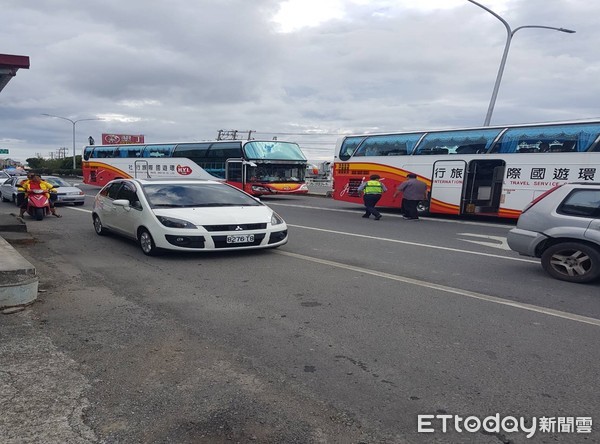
[[196, 195], [56, 181]]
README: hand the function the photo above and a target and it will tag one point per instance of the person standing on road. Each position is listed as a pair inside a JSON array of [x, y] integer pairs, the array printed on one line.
[[413, 191], [372, 189]]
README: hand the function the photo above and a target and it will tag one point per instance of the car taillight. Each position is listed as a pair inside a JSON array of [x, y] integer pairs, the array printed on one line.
[[540, 197]]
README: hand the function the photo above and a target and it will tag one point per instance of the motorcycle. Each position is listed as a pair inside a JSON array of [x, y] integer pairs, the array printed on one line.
[[38, 204]]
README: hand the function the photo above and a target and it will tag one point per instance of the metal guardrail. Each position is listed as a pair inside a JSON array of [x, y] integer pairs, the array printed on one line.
[[320, 186], [319, 182]]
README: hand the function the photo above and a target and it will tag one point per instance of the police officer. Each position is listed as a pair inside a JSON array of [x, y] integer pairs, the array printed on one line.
[[372, 189]]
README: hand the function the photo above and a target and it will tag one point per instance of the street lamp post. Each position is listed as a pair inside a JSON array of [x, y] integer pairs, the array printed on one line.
[[510, 33], [73, 122]]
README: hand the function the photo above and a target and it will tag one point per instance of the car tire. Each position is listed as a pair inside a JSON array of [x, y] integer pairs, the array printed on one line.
[[572, 262], [147, 243], [98, 227], [14, 200]]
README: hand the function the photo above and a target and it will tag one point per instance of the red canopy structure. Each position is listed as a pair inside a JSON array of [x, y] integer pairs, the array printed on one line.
[[9, 65]]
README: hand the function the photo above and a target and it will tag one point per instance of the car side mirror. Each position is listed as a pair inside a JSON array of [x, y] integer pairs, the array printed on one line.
[[121, 203]]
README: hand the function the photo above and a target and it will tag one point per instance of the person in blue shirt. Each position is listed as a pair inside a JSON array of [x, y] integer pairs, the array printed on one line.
[[372, 190]]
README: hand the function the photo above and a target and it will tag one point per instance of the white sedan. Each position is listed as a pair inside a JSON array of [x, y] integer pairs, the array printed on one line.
[[65, 192], [186, 215]]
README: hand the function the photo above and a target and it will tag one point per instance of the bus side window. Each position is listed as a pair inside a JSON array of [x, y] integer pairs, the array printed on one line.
[[565, 147], [528, 150], [478, 148]]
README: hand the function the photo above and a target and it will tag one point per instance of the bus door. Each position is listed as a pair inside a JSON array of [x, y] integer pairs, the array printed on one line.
[[483, 186], [234, 173], [447, 186], [140, 169]]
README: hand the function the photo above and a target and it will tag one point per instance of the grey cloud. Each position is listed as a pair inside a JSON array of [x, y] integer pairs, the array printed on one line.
[[201, 66]]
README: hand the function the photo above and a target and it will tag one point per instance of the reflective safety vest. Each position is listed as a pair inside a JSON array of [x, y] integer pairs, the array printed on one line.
[[373, 187]]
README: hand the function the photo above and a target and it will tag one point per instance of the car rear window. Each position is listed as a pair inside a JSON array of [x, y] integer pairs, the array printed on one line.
[[585, 203]]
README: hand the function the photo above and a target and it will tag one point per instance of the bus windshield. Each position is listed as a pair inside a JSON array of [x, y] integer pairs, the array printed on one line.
[[273, 150], [273, 173]]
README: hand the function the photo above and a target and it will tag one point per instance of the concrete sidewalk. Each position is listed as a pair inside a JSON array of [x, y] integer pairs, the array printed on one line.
[[18, 278]]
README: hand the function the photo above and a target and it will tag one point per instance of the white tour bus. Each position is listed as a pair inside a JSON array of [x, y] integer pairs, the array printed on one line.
[[492, 171]]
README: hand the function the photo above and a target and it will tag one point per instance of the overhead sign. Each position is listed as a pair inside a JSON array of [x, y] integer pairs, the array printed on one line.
[[121, 139], [3, 151]]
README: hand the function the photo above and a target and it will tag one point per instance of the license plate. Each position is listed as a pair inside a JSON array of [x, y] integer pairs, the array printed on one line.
[[240, 238]]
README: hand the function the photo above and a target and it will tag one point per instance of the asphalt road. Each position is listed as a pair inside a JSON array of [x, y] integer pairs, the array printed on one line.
[[344, 335]]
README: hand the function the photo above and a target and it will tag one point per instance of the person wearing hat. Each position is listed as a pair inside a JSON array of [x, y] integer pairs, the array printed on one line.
[[413, 191], [372, 190]]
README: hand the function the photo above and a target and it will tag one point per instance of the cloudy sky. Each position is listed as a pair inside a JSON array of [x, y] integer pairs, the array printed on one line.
[[301, 70]]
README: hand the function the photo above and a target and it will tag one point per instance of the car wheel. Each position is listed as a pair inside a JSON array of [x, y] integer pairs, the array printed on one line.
[[98, 227], [14, 199], [572, 262], [147, 243]]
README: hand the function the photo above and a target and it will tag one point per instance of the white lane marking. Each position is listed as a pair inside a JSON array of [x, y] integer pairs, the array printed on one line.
[[79, 209], [463, 222], [500, 242], [417, 244], [446, 289]]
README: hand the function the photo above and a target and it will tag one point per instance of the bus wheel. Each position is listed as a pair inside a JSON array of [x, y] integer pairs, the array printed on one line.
[[147, 243], [423, 207]]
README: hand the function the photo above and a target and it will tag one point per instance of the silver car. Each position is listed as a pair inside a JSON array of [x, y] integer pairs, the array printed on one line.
[[4, 176], [562, 227], [10, 188], [65, 192]]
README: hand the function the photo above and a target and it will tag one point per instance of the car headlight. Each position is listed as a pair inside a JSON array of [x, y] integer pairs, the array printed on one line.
[[276, 219], [171, 222]]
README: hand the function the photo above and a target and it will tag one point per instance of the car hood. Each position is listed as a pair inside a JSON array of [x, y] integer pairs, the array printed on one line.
[[218, 215]]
